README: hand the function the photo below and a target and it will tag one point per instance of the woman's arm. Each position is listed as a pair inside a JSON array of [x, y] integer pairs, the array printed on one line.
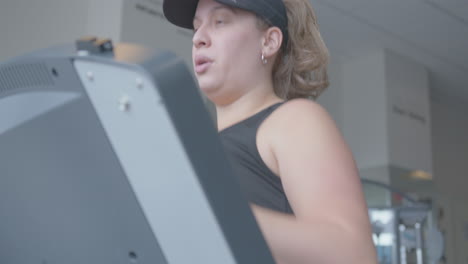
[[331, 223]]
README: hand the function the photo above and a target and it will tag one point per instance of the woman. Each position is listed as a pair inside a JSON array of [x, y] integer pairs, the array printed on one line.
[[257, 61]]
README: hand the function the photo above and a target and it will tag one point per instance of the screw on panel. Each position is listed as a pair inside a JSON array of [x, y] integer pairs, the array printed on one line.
[[133, 256], [90, 76], [139, 83], [124, 104]]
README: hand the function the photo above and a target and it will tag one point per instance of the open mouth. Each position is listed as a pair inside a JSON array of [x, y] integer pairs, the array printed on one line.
[[202, 64]]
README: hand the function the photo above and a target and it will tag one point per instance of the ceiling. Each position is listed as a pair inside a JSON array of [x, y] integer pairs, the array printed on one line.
[[431, 32]]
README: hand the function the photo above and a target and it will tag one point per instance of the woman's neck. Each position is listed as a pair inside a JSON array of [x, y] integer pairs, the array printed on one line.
[[244, 107]]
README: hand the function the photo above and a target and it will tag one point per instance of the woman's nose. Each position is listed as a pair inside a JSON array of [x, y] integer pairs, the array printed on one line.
[[201, 38]]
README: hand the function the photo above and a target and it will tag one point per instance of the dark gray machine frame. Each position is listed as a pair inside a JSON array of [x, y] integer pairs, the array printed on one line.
[[114, 159]]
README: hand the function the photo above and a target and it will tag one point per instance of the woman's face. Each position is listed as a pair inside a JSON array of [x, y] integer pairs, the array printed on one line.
[[226, 50]]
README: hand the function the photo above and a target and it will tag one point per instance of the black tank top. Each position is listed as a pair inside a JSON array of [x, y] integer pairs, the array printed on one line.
[[260, 185]]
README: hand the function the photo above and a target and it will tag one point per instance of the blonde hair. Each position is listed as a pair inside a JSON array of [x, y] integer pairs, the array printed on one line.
[[300, 69]]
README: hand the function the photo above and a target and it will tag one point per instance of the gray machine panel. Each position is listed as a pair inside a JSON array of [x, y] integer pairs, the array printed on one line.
[[155, 163], [117, 161], [63, 195]]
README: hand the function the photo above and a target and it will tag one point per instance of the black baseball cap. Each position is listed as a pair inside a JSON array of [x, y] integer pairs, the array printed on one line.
[[182, 12]]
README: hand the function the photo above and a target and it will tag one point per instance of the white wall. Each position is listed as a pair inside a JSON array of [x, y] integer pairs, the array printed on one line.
[[332, 98], [450, 162], [365, 109], [28, 25], [143, 22], [104, 18], [342, 94], [449, 129], [450, 146], [408, 113]]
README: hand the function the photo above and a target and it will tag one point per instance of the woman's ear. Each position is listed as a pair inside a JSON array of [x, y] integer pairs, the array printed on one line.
[[273, 37]]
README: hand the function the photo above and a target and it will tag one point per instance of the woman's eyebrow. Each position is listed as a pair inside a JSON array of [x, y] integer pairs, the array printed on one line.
[[214, 9], [223, 7]]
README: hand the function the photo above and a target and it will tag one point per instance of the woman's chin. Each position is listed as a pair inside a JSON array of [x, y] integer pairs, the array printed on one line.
[[207, 87]]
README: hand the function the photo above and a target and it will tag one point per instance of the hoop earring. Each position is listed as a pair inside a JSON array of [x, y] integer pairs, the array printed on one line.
[[264, 60]]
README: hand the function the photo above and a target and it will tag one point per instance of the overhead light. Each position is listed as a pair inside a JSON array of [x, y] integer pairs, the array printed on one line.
[[420, 175]]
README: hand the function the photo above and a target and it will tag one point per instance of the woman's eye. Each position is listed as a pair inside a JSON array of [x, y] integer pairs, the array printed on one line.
[[219, 21]]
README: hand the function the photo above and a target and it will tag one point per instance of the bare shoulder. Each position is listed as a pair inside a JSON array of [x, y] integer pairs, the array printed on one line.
[[295, 123], [301, 115], [297, 127]]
